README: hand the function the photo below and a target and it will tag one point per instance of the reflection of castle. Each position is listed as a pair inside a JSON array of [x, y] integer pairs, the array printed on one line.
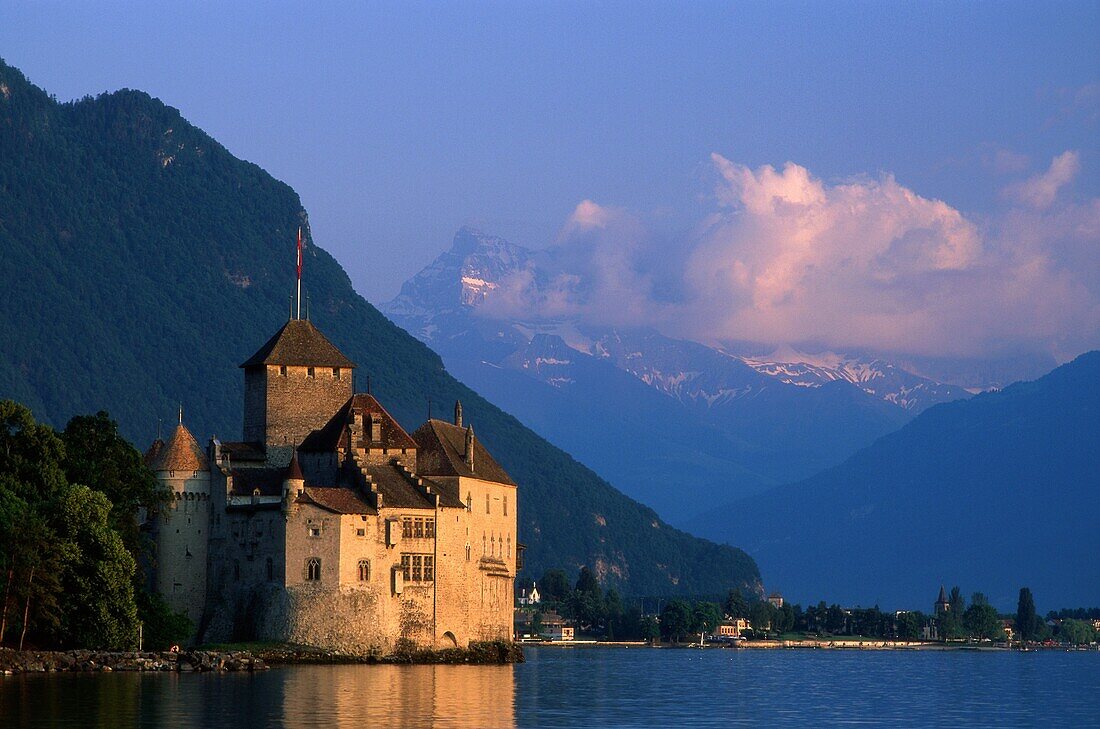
[[329, 524]]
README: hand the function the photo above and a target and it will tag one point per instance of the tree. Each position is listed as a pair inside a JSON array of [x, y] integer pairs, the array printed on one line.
[[649, 628], [614, 616], [835, 619], [735, 605], [784, 619], [761, 615], [981, 619], [554, 585], [1076, 632], [97, 456], [676, 620], [101, 610], [705, 617], [958, 604], [1027, 620], [587, 583], [909, 625]]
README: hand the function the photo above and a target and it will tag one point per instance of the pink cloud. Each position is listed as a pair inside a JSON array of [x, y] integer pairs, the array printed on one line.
[[1040, 191]]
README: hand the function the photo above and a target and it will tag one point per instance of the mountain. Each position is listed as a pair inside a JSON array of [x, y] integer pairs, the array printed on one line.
[[993, 493], [732, 419], [141, 263]]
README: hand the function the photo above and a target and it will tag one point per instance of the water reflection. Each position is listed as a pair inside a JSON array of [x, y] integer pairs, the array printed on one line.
[[442, 696], [336, 696]]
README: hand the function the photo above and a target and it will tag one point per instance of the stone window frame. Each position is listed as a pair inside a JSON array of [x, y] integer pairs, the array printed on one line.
[[336, 373], [360, 532], [313, 569], [364, 570], [313, 532], [417, 568], [311, 373], [282, 370]]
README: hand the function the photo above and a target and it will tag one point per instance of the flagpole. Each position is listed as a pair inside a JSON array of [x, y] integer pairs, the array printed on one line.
[[299, 272]]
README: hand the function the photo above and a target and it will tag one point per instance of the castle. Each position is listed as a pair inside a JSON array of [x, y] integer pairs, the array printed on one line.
[[330, 525]]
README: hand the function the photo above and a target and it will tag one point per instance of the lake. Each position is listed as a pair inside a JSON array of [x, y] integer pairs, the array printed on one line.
[[585, 687]]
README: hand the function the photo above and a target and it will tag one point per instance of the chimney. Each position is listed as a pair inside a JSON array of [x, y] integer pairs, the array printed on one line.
[[458, 413], [470, 447]]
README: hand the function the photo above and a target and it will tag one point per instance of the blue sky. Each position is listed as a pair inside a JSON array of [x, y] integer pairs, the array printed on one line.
[[397, 123]]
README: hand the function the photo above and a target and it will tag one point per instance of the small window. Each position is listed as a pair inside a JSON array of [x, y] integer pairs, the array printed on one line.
[[360, 532], [429, 528], [467, 551], [336, 373], [487, 503], [406, 567], [506, 504], [310, 372], [314, 531], [469, 502], [407, 528], [364, 570], [313, 569], [429, 568], [282, 370], [418, 528]]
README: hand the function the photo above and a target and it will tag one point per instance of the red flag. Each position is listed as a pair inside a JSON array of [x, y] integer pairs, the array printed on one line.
[[299, 253]]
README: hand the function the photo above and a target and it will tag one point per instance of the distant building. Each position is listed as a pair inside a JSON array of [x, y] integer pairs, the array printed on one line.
[[529, 596], [1008, 625], [732, 627], [941, 605], [776, 599], [551, 626]]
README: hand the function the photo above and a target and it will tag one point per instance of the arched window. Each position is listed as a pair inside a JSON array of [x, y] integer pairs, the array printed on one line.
[[270, 570], [467, 551], [364, 570], [313, 569]]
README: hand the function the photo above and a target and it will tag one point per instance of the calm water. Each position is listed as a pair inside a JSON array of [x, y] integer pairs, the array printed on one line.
[[583, 687]]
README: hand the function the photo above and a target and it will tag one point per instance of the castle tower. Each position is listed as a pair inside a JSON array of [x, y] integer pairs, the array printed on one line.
[[292, 386], [183, 525]]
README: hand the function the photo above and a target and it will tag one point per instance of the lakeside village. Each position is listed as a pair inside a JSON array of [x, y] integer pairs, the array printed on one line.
[[328, 532], [550, 612]]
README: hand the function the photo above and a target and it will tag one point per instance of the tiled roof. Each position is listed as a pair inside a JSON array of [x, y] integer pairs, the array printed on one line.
[[448, 494], [334, 434], [293, 470], [268, 480], [398, 490], [181, 453], [441, 450], [299, 344]]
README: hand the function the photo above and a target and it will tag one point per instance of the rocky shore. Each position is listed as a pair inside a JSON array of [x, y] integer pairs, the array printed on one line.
[[86, 661], [256, 659]]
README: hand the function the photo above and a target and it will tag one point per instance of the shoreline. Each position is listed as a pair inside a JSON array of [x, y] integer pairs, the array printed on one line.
[[831, 645], [248, 659]]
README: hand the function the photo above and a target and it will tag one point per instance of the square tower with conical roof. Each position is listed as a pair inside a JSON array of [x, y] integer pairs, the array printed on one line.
[[292, 386]]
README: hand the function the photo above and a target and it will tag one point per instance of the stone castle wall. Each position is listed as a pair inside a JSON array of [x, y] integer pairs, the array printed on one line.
[[182, 536], [281, 410]]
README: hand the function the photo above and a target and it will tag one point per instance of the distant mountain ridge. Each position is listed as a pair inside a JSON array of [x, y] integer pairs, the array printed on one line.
[[993, 493], [141, 263], [737, 420]]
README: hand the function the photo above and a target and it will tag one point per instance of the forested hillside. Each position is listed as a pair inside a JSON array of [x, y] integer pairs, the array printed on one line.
[[141, 263]]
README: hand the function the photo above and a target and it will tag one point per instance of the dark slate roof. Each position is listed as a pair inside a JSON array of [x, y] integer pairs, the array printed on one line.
[[338, 499], [268, 480], [334, 434], [154, 451], [245, 451], [181, 453], [398, 490], [448, 494], [441, 450], [299, 344]]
